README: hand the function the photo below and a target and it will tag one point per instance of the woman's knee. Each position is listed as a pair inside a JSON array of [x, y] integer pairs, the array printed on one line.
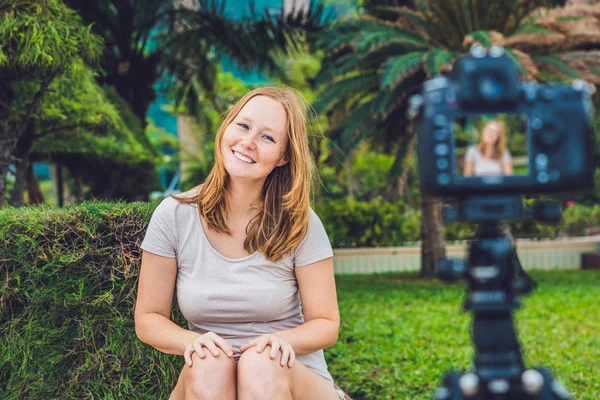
[[209, 378], [259, 375]]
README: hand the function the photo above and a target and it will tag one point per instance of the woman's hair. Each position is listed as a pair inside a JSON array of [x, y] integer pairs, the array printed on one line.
[[500, 145], [282, 220]]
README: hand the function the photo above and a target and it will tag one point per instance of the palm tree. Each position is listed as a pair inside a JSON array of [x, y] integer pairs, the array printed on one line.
[[184, 39], [375, 61]]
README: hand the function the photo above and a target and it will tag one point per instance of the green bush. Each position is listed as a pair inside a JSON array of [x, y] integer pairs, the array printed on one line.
[[351, 223], [69, 280]]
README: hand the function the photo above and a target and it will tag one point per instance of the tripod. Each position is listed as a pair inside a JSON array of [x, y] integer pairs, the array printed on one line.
[[495, 279]]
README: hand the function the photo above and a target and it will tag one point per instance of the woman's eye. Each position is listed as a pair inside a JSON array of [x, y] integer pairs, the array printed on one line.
[[269, 138], [243, 126]]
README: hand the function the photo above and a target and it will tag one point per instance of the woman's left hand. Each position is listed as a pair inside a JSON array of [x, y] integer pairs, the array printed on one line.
[[277, 344]]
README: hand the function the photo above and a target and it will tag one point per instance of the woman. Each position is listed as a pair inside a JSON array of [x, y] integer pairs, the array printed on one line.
[[490, 156], [242, 250]]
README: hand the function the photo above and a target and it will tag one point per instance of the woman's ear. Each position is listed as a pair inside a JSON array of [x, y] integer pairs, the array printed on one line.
[[284, 160]]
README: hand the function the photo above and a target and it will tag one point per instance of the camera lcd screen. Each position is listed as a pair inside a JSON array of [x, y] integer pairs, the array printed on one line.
[[491, 145]]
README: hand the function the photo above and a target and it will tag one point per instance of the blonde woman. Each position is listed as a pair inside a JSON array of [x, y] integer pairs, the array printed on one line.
[[490, 156], [250, 263]]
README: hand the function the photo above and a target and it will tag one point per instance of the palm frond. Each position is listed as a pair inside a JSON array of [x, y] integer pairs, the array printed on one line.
[[405, 148], [388, 106], [586, 63], [524, 62], [482, 38], [341, 66], [352, 130], [414, 16], [555, 64], [398, 68], [370, 40], [436, 59], [343, 89]]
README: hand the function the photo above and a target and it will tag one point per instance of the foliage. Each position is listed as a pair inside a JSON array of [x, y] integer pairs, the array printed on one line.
[[41, 36], [183, 41], [351, 223], [375, 61], [38, 42], [68, 295], [75, 117]]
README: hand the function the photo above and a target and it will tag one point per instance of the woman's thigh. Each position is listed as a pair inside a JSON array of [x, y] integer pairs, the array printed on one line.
[[304, 384], [208, 378], [307, 384]]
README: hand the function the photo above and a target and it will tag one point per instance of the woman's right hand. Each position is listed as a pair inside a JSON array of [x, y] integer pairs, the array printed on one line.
[[212, 342]]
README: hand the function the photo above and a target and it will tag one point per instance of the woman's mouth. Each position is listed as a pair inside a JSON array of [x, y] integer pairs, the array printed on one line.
[[243, 158]]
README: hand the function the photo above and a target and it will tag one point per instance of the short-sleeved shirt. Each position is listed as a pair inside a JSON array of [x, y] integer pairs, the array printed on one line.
[[486, 166], [238, 299]]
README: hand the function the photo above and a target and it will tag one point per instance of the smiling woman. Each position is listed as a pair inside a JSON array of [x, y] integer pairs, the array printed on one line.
[[250, 263]]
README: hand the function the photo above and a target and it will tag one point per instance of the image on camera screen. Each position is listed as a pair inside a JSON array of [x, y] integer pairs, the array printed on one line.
[[491, 145]]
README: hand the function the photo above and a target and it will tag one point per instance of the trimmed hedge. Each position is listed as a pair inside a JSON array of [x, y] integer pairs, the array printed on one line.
[[69, 280]]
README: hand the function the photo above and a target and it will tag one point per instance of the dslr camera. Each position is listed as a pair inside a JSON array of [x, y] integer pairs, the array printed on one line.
[[550, 131], [557, 127]]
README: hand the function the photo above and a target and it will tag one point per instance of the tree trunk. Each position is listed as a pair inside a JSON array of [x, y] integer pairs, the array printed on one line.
[[18, 189], [22, 150], [3, 174], [33, 188], [433, 247]]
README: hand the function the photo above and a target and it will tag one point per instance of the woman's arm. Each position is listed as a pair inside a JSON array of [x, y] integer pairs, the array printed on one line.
[[156, 287], [507, 168], [319, 306], [468, 171]]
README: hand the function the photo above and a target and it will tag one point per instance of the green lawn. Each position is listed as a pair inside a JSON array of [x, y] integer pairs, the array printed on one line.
[[399, 335]]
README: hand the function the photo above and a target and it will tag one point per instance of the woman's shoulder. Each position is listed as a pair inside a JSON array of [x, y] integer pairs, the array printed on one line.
[[175, 208], [472, 151]]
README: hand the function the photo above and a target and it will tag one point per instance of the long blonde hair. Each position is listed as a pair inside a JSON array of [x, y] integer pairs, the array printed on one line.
[[282, 220], [500, 145]]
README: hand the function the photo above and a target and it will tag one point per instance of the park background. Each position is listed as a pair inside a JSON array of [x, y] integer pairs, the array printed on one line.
[[108, 106]]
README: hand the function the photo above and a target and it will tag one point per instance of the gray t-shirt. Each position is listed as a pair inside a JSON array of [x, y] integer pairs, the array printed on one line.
[[486, 166], [238, 299]]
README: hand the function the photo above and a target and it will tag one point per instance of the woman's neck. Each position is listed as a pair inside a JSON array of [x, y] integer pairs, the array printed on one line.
[[243, 199], [488, 150]]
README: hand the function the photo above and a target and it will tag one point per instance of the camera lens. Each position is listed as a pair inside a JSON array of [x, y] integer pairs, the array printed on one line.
[[490, 87]]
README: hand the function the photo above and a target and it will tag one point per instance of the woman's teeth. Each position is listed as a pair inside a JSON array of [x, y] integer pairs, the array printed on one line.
[[243, 158]]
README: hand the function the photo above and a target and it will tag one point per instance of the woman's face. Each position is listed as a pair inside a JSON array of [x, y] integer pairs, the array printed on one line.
[[256, 140], [491, 133]]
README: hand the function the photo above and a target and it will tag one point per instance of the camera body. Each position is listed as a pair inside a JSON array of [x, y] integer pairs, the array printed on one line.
[[558, 128]]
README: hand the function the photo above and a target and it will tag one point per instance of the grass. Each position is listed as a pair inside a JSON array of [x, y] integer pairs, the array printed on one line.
[[400, 335]]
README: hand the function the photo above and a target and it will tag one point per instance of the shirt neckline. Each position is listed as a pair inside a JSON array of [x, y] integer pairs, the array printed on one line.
[[215, 251]]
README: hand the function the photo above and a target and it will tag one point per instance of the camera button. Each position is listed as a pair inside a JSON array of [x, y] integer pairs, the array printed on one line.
[[440, 120], [442, 163], [441, 135], [441, 149], [554, 175], [548, 94], [541, 161], [543, 177], [443, 179], [536, 123]]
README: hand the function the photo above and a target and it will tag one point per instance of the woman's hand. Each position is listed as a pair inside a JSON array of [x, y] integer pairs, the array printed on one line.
[[212, 342], [277, 344]]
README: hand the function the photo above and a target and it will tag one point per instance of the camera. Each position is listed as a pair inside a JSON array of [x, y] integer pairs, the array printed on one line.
[[555, 122], [463, 123]]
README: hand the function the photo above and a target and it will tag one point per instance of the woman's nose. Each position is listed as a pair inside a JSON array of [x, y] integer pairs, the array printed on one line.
[[248, 140]]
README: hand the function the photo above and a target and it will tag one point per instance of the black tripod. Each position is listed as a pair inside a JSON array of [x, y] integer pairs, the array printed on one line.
[[495, 280]]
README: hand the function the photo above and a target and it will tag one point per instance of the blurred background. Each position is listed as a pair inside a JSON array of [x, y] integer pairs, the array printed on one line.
[[119, 100]]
